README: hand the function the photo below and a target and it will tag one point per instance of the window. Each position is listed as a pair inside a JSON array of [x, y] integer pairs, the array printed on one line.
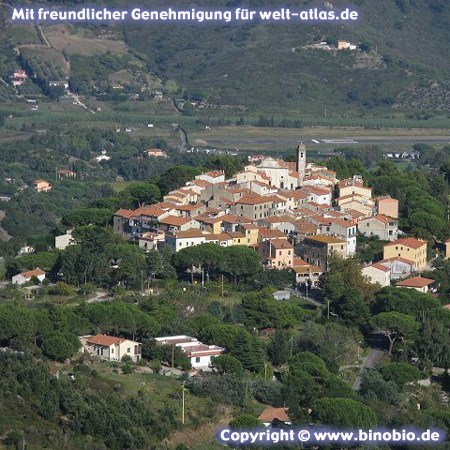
[[197, 359], [128, 350], [112, 350]]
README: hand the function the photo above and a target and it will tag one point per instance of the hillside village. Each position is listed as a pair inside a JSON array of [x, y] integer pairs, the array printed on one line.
[[294, 214]]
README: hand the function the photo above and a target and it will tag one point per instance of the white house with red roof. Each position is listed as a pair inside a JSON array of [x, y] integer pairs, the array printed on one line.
[[272, 414], [111, 348], [378, 273], [399, 267], [420, 284], [25, 277], [200, 354]]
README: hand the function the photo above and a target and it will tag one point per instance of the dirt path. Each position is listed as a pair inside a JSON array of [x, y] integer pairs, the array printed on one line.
[[4, 236], [193, 437]]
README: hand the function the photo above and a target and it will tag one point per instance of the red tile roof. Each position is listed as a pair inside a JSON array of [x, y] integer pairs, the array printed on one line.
[[32, 273], [281, 244], [408, 242], [174, 220], [415, 282], [105, 340], [271, 413]]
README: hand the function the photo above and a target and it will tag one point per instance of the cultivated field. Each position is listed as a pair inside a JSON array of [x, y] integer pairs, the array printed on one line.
[[80, 41]]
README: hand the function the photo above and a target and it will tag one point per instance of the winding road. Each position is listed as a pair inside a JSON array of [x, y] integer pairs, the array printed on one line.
[[369, 362]]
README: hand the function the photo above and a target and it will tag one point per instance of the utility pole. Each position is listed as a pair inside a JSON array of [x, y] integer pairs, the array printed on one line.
[[448, 207], [222, 285], [182, 406], [328, 309], [173, 355]]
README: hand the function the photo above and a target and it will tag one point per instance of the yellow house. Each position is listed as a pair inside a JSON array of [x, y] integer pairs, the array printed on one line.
[[409, 248], [251, 233], [354, 186], [447, 249], [42, 186]]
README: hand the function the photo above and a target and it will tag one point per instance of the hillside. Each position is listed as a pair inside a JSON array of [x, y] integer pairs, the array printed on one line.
[[251, 69], [235, 64]]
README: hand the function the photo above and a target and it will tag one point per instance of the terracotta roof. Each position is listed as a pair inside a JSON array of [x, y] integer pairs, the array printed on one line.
[[271, 413], [270, 234], [249, 226], [278, 219], [295, 194], [257, 200], [381, 218], [174, 220], [233, 218], [201, 183], [351, 182], [326, 239], [191, 233], [379, 266], [345, 197], [188, 207], [344, 223], [218, 237], [152, 236], [307, 269], [408, 242], [125, 213], [208, 219], [281, 243], [105, 340], [316, 190], [32, 273], [416, 282], [214, 174], [397, 258], [304, 226], [236, 234], [151, 211], [299, 262]]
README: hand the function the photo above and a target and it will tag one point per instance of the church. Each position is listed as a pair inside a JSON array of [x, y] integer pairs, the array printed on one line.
[[285, 175]]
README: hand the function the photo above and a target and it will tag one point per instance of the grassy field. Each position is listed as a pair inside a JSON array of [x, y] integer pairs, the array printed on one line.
[[80, 40]]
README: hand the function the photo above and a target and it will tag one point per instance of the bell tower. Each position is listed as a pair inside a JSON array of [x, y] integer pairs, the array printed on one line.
[[301, 160]]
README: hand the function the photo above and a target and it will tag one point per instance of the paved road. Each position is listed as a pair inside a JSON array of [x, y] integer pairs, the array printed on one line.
[[369, 362], [99, 297], [410, 140]]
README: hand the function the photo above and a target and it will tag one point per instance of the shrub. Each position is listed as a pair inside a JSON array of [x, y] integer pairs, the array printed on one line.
[[127, 369]]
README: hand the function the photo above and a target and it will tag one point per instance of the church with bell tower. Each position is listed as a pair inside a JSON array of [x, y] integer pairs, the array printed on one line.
[[301, 161]]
